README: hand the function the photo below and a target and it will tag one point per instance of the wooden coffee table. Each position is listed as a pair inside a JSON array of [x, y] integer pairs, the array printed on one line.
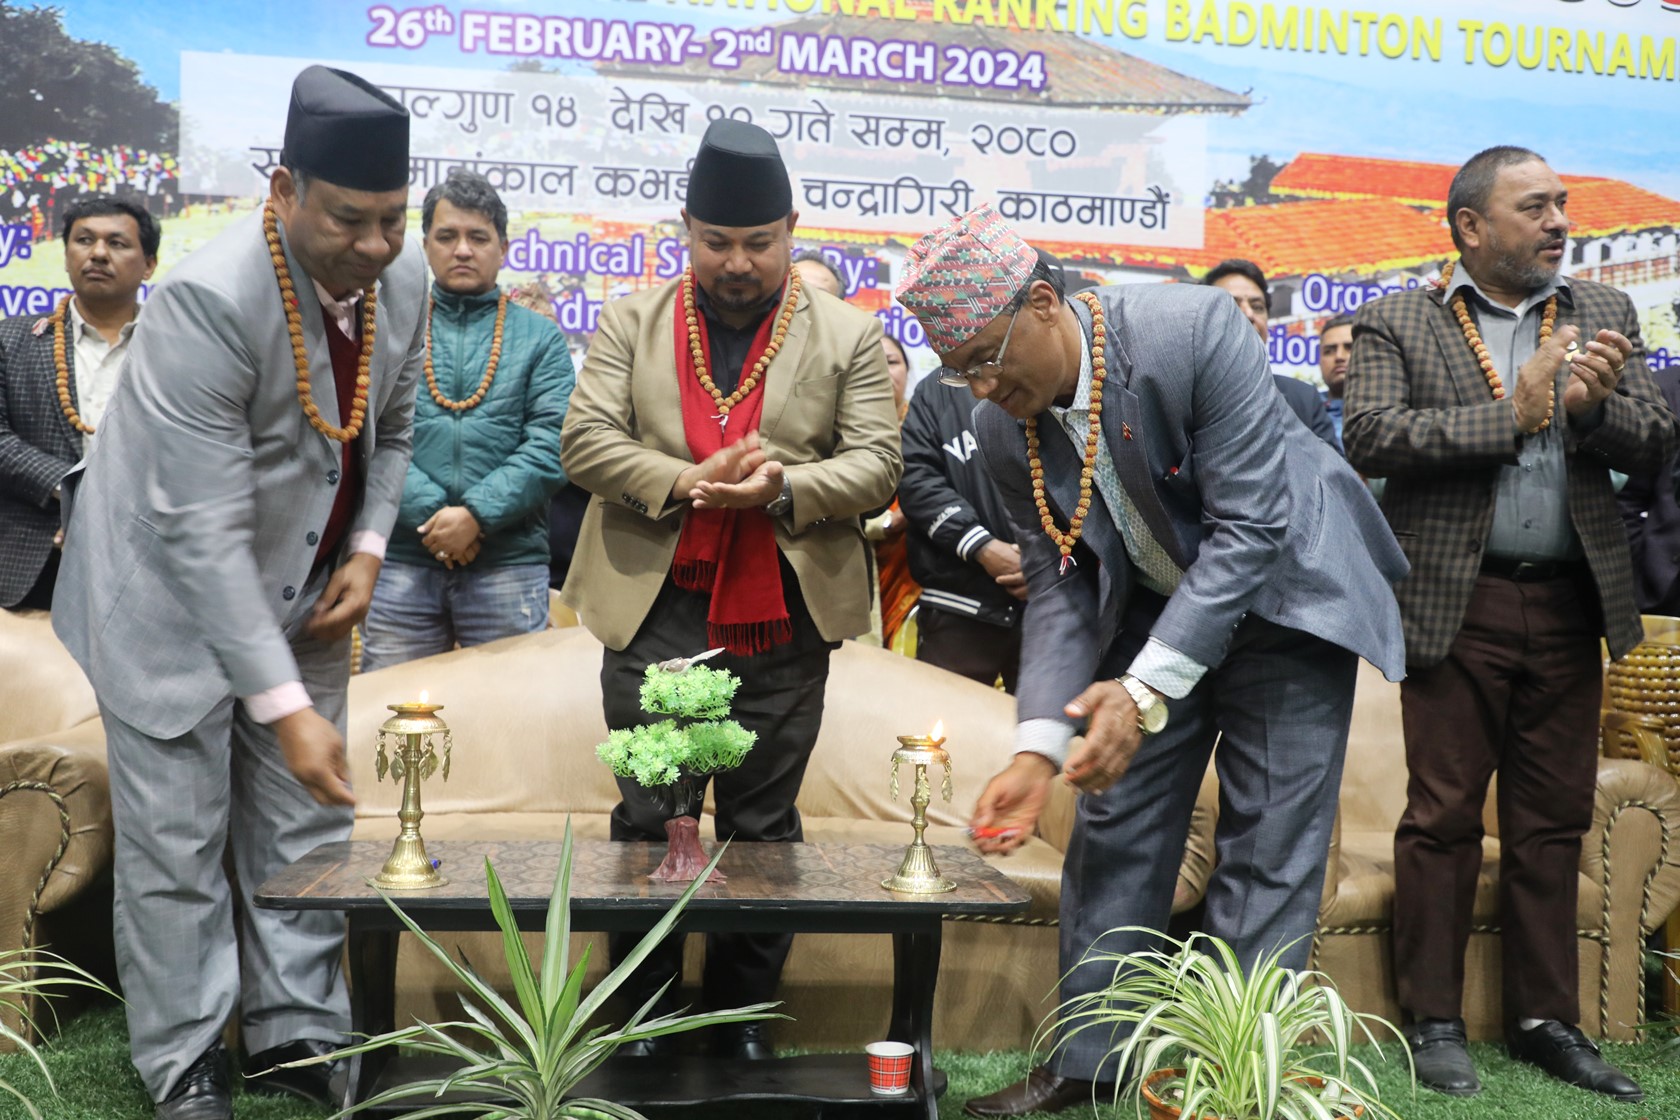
[[772, 888]]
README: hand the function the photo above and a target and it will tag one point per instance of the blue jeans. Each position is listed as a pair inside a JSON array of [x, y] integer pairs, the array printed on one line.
[[419, 610]]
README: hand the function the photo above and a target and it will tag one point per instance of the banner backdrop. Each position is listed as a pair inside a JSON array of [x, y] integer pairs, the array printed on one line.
[[1138, 140]]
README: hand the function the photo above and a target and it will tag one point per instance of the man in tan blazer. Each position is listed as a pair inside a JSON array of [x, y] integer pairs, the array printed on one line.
[[732, 426]]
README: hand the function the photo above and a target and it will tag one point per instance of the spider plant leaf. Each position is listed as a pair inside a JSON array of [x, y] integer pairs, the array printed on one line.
[[563, 1023], [604, 1108], [557, 929], [649, 942], [470, 979], [1268, 1064], [518, 959], [29, 1105]]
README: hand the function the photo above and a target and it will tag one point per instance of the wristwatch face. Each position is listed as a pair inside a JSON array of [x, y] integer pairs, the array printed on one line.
[[1151, 709]]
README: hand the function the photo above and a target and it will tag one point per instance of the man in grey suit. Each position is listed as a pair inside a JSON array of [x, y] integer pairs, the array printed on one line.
[[1221, 562], [217, 552]]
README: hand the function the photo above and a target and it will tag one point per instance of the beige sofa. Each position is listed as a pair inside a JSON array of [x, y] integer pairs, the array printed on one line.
[[526, 716]]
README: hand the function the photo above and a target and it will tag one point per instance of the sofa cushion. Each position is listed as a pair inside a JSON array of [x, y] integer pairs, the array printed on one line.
[[42, 688], [526, 718]]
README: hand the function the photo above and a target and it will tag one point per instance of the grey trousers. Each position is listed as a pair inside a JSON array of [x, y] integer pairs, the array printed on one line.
[[1280, 705], [177, 805]]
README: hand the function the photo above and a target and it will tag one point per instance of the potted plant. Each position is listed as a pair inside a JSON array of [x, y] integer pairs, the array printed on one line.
[[1206, 1038], [672, 758], [532, 1051], [26, 976]]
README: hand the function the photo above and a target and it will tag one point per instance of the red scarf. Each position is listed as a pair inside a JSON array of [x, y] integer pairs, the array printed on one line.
[[730, 553]]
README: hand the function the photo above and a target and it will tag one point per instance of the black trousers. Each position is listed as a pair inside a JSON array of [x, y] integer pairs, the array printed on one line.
[[781, 699], [977, 650]]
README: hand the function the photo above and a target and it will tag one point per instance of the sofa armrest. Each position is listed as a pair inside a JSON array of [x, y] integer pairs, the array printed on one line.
[[1633, 735], [55, 828], [55, 825], [1632, 850]]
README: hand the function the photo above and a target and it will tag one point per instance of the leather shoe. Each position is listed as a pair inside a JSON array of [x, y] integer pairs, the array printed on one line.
[[310, 1083], [1040, 1091], [1561, 1050], [203, 1092], [747, 1041], [1441, 1057], [664, 1046]]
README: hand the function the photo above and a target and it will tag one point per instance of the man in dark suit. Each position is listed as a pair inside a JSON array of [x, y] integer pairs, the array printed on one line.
[[1244, 282], [1496, 404], [1195, 563], [110, 249], [1652, 516]]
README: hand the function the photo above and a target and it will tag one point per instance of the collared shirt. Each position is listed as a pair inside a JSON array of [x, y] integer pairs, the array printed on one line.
[[1333, 405], [728, 345], [1158, 665], [97, 364], [1531, 505], [340, 311]]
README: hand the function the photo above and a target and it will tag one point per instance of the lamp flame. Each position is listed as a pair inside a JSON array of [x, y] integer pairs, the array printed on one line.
[[938, 731], [423, 695]]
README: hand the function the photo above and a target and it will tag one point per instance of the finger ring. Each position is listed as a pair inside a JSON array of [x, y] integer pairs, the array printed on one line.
[[443, 555]]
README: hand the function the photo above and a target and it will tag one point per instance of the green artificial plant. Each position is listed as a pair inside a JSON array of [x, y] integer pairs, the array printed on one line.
[[532, 1051], [1215, 1040], [698, 741], [27, 975]]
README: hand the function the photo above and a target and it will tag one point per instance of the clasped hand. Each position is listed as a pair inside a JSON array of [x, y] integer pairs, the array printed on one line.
[[739, 476], [1594, 373]]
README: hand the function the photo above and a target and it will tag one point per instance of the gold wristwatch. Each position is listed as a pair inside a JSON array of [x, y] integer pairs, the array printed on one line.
[[1151, 709]]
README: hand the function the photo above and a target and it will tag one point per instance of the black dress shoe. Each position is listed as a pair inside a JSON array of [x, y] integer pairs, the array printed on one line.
[[310, 1083], [1564, 1052], [664, 1046], [203, 1092], [1441, 1057], [747, 1041], [1040, 1091]]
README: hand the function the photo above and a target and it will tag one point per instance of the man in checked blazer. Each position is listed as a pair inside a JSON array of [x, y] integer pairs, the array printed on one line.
[[1229, 572], [1498, 442], [222, 542], [110, 249]]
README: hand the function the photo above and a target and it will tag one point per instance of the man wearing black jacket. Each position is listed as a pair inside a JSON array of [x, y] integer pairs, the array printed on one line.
[[962, 548]]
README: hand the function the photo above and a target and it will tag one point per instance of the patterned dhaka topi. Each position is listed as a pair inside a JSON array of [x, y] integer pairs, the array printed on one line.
[[963, 275]]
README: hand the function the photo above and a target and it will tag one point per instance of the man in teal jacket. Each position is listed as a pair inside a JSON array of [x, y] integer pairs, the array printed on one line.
[[468, 561]]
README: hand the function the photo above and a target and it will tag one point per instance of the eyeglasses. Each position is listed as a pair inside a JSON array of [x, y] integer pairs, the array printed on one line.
[[985, 371]]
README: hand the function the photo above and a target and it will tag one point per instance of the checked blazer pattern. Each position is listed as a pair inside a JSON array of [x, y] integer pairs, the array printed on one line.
[[1419, 413], [37, 447]]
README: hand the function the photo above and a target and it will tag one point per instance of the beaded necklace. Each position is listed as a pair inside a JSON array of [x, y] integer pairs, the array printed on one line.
[[1548, 317], [300, 353], [698, 352], [489, 371], [1093, 437], [61, 362]]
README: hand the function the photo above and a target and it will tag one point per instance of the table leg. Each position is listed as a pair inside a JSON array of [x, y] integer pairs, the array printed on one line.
[[915, 972], [373, 1002]]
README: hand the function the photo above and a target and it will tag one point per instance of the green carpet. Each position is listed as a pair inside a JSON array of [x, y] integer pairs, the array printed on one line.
[[89, 1061]]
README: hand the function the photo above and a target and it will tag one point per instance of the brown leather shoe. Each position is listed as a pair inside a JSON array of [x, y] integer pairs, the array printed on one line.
[[1040, 1091]]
